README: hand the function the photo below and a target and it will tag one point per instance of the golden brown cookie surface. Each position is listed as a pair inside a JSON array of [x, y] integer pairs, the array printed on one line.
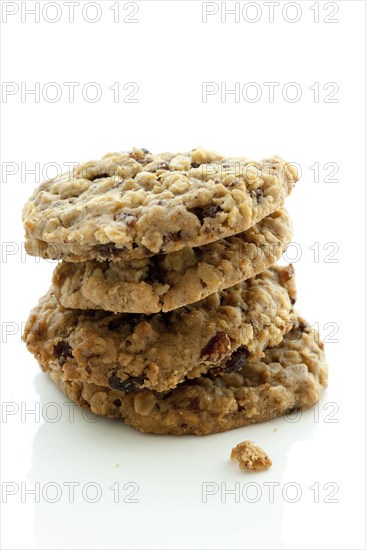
[[129, 351], [291, 376], [167, 282], [135, 204]]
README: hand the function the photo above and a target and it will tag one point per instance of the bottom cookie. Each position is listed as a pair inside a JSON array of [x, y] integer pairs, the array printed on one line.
[[290, 377]]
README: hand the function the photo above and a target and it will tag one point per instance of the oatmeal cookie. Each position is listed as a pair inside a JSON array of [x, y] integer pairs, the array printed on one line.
[[135, 204], [167, 282], [129, 351], [291, 376]]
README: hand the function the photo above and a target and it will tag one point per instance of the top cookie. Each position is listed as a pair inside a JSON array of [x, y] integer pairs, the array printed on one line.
[[135, 204]]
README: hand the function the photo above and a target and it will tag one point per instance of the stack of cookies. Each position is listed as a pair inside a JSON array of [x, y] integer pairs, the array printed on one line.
[[167, 310]]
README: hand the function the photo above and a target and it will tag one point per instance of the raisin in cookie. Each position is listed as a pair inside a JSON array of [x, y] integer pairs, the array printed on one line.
[[289, 377], [167, 282], [136, 204], [128, 351]]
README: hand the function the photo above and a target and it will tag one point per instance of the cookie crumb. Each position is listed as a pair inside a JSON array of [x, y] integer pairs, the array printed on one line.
[[250, 457], [274, 429]]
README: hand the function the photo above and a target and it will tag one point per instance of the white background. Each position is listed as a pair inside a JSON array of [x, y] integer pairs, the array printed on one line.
[[169, 53]]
